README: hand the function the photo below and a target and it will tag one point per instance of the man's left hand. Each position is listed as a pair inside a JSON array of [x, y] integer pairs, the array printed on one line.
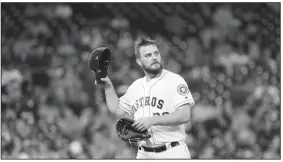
[[143, 123]]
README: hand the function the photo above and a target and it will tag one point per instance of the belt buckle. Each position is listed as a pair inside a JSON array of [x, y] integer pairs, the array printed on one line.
[[141, 148], [168, 145]]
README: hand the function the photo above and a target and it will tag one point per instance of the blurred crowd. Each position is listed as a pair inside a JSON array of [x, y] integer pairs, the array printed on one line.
[[229, 54]]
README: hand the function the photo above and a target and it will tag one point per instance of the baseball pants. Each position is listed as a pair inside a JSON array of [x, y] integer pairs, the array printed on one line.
[[178, 152]]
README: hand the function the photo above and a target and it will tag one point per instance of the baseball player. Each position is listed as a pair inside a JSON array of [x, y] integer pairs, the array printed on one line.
[[160, 102]]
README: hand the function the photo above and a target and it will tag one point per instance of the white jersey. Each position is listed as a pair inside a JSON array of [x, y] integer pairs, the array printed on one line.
[[159, 96]]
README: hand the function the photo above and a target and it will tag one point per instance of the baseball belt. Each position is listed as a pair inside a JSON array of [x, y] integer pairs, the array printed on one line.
[[159, 148]]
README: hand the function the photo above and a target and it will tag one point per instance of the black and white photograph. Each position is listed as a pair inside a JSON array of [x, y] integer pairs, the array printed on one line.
[[140, 80]]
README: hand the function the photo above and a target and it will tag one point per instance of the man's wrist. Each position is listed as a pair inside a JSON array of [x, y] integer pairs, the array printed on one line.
[[108, 86]]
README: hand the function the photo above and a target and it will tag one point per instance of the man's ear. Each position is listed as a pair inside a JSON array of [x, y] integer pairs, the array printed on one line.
[[138, 60]]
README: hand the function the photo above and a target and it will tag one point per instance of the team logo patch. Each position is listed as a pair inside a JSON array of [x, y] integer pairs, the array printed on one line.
[[183, 89]]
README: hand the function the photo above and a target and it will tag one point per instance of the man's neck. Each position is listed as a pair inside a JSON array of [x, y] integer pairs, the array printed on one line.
[[150, 76]]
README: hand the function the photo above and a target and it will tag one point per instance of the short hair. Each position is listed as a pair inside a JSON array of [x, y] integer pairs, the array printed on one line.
[[141, 41]]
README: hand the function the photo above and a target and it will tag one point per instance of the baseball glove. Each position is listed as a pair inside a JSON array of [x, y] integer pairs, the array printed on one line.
[[128, 133], [99, 61]]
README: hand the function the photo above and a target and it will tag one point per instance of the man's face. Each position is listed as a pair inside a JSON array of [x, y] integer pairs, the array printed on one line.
[[150, 59]]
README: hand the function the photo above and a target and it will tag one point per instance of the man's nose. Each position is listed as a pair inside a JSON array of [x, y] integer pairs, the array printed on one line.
[[153, 58]]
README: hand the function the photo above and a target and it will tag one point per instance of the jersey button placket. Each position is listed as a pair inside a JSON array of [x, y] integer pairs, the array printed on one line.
[[146, 94], [149, 86]]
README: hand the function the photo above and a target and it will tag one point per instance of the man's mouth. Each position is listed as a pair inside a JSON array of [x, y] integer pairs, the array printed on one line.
[[155, 63]]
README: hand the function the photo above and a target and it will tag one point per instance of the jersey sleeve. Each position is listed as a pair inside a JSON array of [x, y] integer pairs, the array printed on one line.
[[182, 94], [125, 104]]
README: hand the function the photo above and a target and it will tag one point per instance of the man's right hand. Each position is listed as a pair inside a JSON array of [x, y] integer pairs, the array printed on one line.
[[105, 82]]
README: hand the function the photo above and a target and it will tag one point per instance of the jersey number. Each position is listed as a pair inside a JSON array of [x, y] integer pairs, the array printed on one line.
[[158, 114]]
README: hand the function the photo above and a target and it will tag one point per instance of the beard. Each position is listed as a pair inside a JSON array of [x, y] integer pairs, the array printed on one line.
[[152, 70]]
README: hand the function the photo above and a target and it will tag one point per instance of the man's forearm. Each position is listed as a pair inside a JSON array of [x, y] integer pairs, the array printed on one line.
[[112, 99], [175, 118]]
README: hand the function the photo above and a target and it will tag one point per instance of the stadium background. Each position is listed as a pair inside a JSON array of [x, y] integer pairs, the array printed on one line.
[[229, 54]]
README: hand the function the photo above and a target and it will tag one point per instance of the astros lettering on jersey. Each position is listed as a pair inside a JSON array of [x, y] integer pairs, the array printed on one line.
[[159, 96]]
